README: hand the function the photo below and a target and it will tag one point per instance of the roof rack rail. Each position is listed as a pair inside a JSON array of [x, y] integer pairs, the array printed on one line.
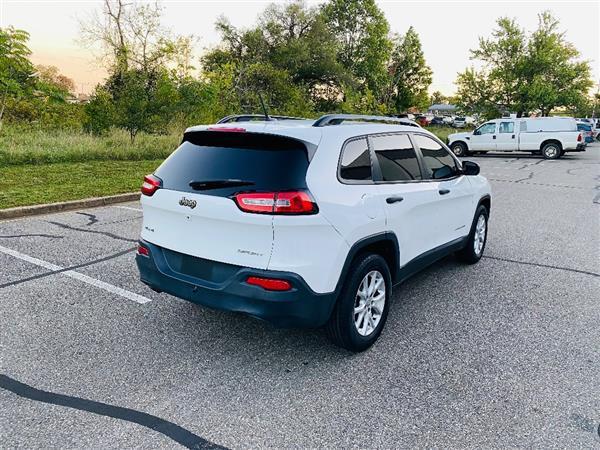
[[336, 119], [258, 117]]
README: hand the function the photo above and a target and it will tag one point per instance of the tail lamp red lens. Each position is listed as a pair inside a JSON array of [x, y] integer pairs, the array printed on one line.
[[289, 202], [151, 184], [270, 284], [141, 250], [579, 138]]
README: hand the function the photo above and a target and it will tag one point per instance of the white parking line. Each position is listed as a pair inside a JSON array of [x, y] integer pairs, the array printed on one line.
[[129, 207], [78, 276]]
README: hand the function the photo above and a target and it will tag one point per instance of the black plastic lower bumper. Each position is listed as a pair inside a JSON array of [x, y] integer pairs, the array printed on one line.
[[298, 307]]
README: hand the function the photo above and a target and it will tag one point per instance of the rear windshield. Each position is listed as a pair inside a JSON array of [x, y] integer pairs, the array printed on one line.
[[260, 162]]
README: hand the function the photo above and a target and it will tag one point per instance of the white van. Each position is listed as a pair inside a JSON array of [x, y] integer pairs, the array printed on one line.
[[550, 136]]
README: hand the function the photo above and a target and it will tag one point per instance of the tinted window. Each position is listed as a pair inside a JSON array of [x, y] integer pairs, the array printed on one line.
[[487, 128], [436, 158], [506, 127], [356, 161], [397, 158], [265, 162], [523, 126]]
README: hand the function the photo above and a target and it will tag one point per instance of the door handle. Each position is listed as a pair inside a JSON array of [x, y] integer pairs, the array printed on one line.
[[494, 137], [513, 136], [444, 191], [391, 200]]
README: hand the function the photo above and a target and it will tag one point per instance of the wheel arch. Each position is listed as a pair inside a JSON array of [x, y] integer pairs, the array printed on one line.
[[486, 201], [459, 141], [551, 141], [384, 244]]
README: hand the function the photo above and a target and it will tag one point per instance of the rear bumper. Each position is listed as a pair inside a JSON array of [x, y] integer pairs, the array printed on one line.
[[580, 148], [298, 307]]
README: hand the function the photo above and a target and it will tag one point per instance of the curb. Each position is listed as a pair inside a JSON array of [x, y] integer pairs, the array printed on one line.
[[24, 211]]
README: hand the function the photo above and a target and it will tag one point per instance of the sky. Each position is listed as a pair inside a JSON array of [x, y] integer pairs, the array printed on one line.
[[448, 29]]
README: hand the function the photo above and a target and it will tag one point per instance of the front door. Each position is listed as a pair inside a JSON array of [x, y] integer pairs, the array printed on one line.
[[484, 137], [452, 209]]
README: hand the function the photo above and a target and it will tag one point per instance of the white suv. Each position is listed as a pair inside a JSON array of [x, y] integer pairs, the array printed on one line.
[[308, 223]]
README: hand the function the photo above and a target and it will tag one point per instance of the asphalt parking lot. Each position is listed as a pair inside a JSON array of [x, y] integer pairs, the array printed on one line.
[[505, 353]]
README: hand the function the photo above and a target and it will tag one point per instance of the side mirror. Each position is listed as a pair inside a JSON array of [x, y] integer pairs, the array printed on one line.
[[470, 168]]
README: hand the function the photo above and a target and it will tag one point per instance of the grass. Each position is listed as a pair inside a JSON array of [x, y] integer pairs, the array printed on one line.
[[22, 185], [21, 145], [443, 132], [44, 166]]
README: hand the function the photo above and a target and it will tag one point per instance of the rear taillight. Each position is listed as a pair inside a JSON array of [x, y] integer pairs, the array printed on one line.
[[151, 184], [290, 202], [270, 284], [579, 138], [143, 251]]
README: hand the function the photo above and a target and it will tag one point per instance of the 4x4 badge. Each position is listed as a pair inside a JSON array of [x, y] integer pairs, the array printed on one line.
[[186, 202]]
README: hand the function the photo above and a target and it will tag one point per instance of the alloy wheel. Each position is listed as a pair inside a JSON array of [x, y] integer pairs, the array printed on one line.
[[479, 239], [369, 303]]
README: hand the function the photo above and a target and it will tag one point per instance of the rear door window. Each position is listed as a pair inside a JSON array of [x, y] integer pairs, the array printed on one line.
[[396, 157], [506, 127], [437, 159], [356, 161], [241, 161]]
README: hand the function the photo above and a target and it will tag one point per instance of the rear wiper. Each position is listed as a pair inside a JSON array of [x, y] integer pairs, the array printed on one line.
[[216, 184]]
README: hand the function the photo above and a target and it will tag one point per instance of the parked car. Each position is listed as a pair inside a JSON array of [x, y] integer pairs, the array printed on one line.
[[306, 223], [448, 120], [422, 120], [586, 130], [459, 122], [550, 136], [437, 121]]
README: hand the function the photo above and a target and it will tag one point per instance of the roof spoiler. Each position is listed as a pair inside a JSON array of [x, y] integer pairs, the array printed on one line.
[[255, 117], [336, 119]]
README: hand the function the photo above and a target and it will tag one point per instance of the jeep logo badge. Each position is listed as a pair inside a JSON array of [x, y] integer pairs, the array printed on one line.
[[186, 202]]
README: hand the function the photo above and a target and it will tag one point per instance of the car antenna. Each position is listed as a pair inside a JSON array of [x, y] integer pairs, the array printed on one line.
[[264, 108]]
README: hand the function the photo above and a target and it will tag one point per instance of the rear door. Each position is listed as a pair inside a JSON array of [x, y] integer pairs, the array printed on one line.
[[507, 136], [194, 211], [408, 200], [484, 137], [452, 210]]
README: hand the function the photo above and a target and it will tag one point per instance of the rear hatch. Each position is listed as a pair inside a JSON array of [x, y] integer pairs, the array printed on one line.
[[194, 209]]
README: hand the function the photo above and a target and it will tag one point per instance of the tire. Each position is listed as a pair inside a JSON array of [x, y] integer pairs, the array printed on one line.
[[551, 150], [459, 149], [473, 251], [341, 327]]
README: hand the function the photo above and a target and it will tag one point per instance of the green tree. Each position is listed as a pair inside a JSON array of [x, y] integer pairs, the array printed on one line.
[[144, 102], [362, 31], [100, 112], [524, 73], [438, 98], [410, 74], [476, 93], [17, 74], [296, 50], [552, 75]]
